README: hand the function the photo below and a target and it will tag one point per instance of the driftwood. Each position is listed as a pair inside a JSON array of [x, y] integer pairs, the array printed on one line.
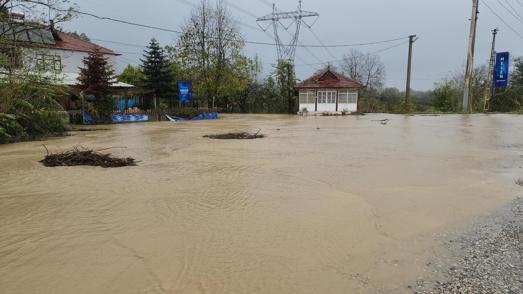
[[81, 156], [236, 136]]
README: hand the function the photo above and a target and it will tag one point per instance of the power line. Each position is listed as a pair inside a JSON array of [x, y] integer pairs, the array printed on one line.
[[120, 43], [510, 11], [514, 10], [502, 20], [340, 60], [389, 48], [131, 23], [321, 43]]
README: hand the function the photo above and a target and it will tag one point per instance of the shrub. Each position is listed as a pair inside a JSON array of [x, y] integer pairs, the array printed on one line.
[[187, 112], [10, 129]]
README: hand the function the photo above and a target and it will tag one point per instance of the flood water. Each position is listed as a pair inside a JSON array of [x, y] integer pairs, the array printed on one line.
[[322, 205]]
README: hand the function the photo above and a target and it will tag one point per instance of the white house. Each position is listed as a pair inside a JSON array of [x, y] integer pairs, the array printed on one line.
[[328, 91], [50, 50]]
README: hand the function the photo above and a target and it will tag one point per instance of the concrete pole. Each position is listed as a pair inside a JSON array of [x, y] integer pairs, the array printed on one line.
[[409, 72], [489, 90], [467, 93]]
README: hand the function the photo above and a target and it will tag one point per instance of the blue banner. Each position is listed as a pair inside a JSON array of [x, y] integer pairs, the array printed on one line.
[[501, 71], [185, 90]]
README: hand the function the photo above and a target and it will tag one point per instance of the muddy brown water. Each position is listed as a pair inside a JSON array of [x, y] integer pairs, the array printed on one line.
[[322, 205]]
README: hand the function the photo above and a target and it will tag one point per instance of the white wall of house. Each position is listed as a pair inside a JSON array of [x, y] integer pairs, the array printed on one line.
[[69, 61], [326, 100], [72, 61], [348, 100], [307, 100]]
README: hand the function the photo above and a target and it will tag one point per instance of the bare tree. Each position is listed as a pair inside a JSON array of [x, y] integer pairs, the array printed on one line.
[[456, 80], [210, 47], [364, 68]]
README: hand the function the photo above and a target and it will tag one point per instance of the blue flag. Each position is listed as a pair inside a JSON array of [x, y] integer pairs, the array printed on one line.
[[501, 71], [185, 90]]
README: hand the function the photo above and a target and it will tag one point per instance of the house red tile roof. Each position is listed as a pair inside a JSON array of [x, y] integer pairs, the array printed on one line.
[[74, 43], [328, 78]]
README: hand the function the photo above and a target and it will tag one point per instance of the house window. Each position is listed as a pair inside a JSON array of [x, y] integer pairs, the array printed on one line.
[[353, 97], [46, 62], [308, 97], [327, 97], [346, 97], [331, 97], [57, 63], [303, 97]]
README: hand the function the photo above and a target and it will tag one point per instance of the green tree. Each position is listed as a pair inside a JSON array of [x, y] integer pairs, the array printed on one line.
[[444, 97], [157, 76], [210, 51], [511, 98], [517, 74], [132, 75], [392, 99], [286, 80], [95, 79], [29, 98]]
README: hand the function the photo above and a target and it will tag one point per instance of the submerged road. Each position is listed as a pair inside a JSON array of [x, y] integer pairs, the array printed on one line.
[[321, 205]]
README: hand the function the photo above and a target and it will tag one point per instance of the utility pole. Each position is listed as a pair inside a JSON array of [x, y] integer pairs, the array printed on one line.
[[467, 94], [412, 39], [489, 89]]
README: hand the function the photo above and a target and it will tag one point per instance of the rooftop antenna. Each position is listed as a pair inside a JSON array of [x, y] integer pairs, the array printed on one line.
[[287, 51]]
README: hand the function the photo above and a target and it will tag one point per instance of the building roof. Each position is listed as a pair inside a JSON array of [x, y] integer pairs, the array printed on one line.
[[40, 36], [27, 33], [329, 78], [71, 42]]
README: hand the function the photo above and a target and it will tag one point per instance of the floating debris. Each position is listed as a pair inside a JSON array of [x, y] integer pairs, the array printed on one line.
[[82, 156], [383, 121], [236, 136]]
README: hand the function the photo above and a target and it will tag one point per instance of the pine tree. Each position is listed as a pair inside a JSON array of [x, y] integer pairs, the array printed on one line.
[[96, 79], [157, 76]]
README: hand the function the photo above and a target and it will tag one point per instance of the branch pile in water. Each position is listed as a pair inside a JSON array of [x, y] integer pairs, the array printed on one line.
[[81, 156], [237, 136]]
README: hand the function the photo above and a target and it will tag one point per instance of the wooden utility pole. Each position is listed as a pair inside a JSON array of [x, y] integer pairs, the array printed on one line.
[[489, 88], [467, 93], [412, 39]]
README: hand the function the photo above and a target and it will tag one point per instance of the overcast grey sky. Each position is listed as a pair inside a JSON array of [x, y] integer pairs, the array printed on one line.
[[442, 26]]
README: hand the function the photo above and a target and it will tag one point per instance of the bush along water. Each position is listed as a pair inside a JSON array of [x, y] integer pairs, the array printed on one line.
[[33, 125], [29, 111]]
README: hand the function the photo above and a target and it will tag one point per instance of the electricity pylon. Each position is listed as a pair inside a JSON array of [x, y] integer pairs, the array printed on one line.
[[287, 51]]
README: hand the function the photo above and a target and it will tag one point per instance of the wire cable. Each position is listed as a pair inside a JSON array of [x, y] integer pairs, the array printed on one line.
[[152, 27], [502, 20], [510, 11]]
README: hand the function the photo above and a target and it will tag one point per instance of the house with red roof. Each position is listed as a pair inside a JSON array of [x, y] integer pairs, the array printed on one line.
[[50, 50], [328, 91]]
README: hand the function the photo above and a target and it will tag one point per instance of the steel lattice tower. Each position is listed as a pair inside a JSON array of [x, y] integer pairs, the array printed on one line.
[[287, 51]]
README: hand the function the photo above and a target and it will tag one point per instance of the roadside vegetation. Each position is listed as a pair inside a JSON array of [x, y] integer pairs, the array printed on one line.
[[29, 97], [210, 53]]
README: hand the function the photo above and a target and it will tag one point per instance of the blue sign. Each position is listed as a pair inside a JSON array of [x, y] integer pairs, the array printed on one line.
[[185, 90], [501, 71]]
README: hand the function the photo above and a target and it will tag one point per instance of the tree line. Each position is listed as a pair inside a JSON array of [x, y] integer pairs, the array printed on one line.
[[209, 52]]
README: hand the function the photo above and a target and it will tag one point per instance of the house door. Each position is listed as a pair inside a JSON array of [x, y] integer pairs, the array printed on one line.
[[327, 100]]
